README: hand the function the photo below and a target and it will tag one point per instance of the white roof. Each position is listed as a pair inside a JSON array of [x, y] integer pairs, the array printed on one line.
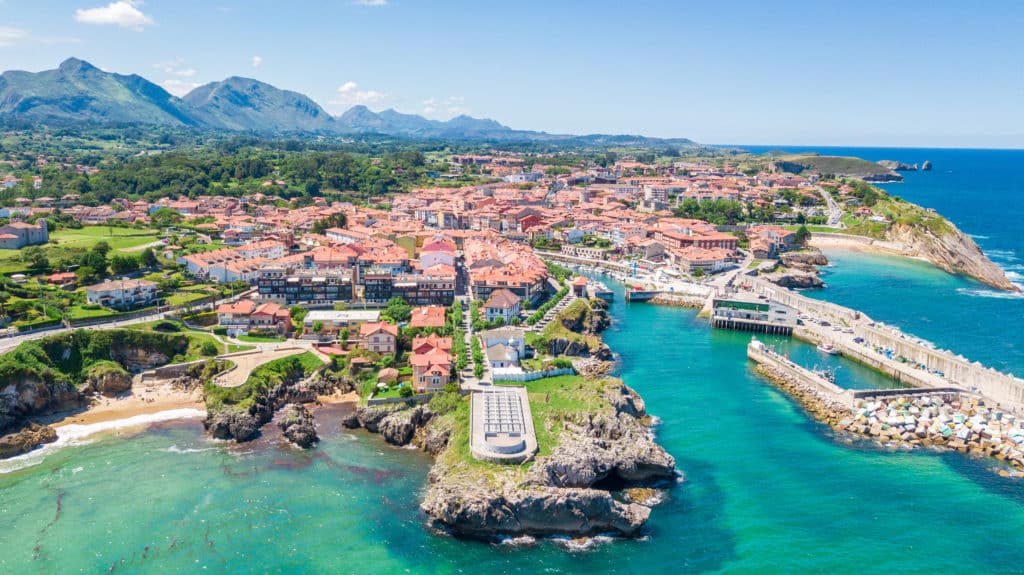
[[330, 315]]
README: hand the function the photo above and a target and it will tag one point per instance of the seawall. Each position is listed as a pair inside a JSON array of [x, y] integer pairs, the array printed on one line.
[[957, 371]]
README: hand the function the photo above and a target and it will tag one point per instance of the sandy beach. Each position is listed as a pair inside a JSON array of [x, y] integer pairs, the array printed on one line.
[[142, 400], [862, 245], [334, 398]]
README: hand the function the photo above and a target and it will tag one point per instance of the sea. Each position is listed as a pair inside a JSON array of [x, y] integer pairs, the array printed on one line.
[[765, 489]]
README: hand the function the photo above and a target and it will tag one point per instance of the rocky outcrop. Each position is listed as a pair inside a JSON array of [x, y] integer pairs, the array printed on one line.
[[806, 259], [479, 511], [948, 248], [109, 380], [897, 166], [795, 279], [926, 166], [231, 422], [399, 427], [297, 425], [30, 396], [882, 178], [26, 439], [574, 348], [138, 359]]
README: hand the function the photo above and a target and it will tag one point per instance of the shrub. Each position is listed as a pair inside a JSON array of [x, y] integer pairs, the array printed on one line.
[[405, 391], [166, 326], [220, 330], [209, 349]]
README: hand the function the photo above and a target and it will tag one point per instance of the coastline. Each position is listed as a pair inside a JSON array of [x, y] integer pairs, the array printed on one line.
[[148, 400], [860, 244]]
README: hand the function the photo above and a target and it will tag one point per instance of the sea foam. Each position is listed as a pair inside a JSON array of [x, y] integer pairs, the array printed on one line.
[[79, 434]]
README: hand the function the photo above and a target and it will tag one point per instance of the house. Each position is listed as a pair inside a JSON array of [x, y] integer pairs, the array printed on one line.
[[379, 337], [62, 278], [245, 315], [502, 304], [428, 316], [332, 321], [17, 235], [505, 346], [122, 293], [431, 362]]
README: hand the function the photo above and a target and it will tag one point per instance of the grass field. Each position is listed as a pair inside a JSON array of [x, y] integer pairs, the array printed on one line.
[[254, 339], [196, 340], [118, 238]]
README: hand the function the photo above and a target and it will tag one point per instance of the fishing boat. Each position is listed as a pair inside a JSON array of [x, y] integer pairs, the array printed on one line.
[[828, 348]]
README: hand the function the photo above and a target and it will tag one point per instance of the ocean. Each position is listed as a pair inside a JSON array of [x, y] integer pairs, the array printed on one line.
[[766, 489]]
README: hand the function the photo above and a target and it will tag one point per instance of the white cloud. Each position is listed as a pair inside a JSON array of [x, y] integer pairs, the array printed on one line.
[[124, 13], [179, 87], [257, 61], [10, 36], [349, 94], [370, 2], [176, 68], [444, 108]]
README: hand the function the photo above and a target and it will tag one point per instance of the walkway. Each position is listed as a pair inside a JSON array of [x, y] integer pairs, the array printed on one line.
[[246, 362]]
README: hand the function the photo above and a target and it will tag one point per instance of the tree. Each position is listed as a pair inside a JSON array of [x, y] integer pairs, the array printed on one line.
[[318, 326], [398, 309], [36, 258], [209, 349], [164, 217], [698, 273], [102, 247], [802, 235], [95, 260], [148, 258], [85, 274], [298, 313], [337, 220], [405, 391], [120, 264]]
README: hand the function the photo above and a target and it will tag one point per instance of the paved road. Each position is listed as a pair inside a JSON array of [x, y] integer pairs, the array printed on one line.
[[835, 213]]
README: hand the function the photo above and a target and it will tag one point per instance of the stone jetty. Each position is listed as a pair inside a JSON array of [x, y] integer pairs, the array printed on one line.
[[941, 419]]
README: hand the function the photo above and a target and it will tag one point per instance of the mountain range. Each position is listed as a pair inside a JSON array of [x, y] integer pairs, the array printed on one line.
[[78, 92]]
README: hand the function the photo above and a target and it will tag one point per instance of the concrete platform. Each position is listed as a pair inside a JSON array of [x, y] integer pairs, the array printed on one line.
[[501, 425]]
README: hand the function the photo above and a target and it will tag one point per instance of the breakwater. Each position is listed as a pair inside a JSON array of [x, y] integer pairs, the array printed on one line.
[[946, 418], [902, 356]]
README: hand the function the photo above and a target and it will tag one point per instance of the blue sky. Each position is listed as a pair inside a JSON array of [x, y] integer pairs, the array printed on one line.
[[900, 73]]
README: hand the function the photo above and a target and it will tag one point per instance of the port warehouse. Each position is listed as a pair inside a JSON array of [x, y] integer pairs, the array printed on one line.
[[1003, 388]]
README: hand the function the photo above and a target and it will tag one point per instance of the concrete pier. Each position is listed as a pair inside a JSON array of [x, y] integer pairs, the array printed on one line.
[[956, 371]]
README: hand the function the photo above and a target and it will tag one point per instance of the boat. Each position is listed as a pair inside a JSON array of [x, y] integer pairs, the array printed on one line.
[[828, 348], [828, 374]]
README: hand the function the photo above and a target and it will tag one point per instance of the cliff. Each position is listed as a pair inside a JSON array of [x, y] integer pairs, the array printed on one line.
[[61, 372], [951, 250], [575, 330], [797, 270]]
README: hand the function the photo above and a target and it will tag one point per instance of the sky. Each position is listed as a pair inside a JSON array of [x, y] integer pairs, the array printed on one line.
[[931, 73]]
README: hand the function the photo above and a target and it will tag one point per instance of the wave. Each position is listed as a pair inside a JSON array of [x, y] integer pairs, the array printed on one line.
[[176, 449], [582, 543], [1004, 255], [978, 237], [79, 434], [520, 541], [994, 294]]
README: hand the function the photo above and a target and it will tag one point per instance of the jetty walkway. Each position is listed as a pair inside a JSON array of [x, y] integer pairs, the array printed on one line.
[[903, 357]]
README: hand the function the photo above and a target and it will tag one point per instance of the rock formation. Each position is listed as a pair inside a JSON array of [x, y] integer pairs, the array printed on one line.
[[926, 166], [951, 250], [297, 425], [29, 437], [897, 166], [798, 270]]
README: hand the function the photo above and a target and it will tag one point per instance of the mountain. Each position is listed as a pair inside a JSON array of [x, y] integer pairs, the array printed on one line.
[[246, 104], [77, 91]]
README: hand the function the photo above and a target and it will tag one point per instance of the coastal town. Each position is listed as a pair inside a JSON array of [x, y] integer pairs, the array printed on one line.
[[405, 304]]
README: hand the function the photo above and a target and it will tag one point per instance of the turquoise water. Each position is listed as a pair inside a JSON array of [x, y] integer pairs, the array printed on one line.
[[766, 489]]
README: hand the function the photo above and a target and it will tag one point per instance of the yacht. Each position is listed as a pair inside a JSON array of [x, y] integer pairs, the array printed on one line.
[[828, 348]]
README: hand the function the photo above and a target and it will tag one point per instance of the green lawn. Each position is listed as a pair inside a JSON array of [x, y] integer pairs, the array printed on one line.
[[235, 348], [254, 339], [118, 238], [196, 340], [186, 297], [80, 312]]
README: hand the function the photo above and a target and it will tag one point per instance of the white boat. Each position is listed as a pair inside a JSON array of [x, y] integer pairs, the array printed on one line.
[[828, 348]]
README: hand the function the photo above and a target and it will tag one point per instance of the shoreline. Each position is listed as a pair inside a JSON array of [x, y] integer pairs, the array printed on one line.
[[868, 246], [148, 400]]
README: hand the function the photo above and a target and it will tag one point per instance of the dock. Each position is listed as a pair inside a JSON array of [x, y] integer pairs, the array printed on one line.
[[903, 357]]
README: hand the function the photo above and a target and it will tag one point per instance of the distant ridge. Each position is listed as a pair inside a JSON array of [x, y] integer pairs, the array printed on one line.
[[78, 92]]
